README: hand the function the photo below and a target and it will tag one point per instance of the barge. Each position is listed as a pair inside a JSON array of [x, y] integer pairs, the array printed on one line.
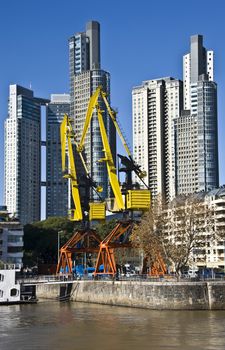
[[12, 291]]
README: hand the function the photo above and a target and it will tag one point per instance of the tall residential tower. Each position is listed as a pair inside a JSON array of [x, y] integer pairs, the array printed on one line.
[[156, 104], [22, 161], [176, 145], [56, 185], [198, 170], [85, 76]]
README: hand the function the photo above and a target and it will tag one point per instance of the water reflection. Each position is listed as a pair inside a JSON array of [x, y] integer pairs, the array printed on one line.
[[80, 326]]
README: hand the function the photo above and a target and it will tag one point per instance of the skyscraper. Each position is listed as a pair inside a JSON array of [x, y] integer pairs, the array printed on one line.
[[179, 148], [22, 173], [195, 64], [156, 104], [85, 76], [56, 185], [200, 104]]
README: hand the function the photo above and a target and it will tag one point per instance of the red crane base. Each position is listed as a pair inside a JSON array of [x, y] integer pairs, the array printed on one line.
[[88, 243]]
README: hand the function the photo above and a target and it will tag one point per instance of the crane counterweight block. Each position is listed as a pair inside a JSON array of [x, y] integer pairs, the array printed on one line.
[[138, 199]]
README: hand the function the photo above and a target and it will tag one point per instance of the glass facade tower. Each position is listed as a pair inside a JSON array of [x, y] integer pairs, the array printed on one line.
[[200, 104], [22, 173], [85, 77], [56, 185]]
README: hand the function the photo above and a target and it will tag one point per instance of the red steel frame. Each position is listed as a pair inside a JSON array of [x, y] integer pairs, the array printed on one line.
[[90, 244], [158, 268], [106, 255]]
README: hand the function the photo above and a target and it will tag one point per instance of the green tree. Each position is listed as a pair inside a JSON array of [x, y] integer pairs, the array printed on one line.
[[41, 239], [104, 228]]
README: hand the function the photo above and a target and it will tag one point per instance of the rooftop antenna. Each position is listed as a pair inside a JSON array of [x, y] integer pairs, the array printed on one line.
[[30, 86]]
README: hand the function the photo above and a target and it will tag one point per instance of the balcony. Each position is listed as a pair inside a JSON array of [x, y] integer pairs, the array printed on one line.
[[15, 244], [15, 255]]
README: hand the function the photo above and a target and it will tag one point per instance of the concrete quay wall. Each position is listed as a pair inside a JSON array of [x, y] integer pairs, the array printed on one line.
[[151, 295]]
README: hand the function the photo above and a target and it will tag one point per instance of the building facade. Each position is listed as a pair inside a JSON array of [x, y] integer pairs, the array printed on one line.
[[11, 239], [156, 105], [195, 64], [206, 211], [85, 76], [186, 131], [56, 185], [175, 127], [200, 104], [22, 154]]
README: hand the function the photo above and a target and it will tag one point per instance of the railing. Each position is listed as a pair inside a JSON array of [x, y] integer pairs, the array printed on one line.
[[16, 267], [107, 278], [34, 279]]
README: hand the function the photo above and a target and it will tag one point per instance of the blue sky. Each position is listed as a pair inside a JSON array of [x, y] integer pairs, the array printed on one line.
[[140, 40]]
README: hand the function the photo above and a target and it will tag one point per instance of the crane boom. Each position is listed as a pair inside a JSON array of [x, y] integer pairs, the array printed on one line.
[[93, 103], [132, 166], [110, 163], [66, 132], [112, 114], [91, 106], [63, 137]]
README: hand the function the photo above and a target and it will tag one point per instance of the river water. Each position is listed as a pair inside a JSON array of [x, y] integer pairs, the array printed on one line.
[[78, 326]]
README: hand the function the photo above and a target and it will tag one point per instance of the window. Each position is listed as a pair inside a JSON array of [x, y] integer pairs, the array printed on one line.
[[14, 292]]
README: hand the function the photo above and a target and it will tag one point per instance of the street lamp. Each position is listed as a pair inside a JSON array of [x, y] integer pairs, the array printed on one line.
[[58, 242]]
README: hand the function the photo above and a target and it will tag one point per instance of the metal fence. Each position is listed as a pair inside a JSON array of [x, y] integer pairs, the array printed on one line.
[[131, 278]]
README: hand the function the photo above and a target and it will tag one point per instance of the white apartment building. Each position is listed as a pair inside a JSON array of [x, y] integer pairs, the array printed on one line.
[[11, 239], [156, 104], [208, 217], [178, 148], [214, 253]]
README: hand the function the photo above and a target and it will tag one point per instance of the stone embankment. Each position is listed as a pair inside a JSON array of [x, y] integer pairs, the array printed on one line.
[[151, 295]]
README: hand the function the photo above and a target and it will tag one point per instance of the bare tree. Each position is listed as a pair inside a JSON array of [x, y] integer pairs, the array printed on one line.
[[148, 234], [184, 231], [179, 231]]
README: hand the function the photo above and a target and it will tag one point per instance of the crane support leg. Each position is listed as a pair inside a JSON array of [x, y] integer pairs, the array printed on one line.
[[107, 260], [82, 241], [106, 257], [157, 267], [65, 261]]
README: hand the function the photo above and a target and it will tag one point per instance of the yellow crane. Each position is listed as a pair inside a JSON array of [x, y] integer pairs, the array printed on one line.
[[128, 199], [134, 199], [67, 135], [96, 209], [84, 240]]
